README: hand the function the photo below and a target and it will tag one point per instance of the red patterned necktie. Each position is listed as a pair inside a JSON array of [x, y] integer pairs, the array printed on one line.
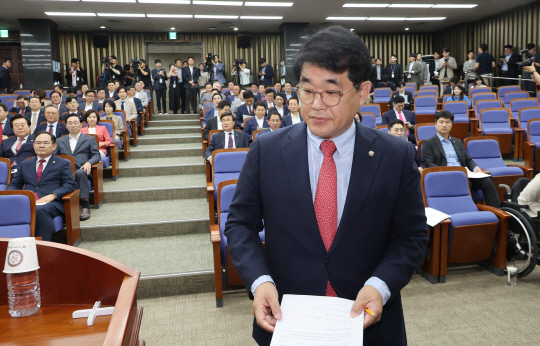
[[51, 129], [17, 148], [38, 174], [326, 201]]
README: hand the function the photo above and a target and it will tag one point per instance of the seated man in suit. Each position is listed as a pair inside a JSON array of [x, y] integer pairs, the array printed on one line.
[[262, 92], [443, 150], [90, 103], [235, 93], [50, 178], [100, 98], [141, 94], [255, 90], [111, 91], [227, 139], [214, 123], [212, 111], [20, 106], [245, 110], [282, 109], [84, 150], [294, 116], [52, 125], [36, 113], [237, 102], [56, 101], [288, 92], [274, 121], [277, 87], [21, 146], [407, 96], [131, 96], [397, 128], [270, 96], [5, 127], [127, 105], [258, 121], [73, 106], [71, 91], [408, 117]]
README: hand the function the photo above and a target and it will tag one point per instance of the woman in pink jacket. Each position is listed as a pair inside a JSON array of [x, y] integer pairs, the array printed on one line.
[[93, 128]]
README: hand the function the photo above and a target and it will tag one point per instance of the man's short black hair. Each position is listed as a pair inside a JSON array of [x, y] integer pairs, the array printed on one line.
[[509, 46], [287, 83], [226, 114], [90, 91], [101, 89], [18, 116], [55, 92], [71, 90], [110, 82], [156, 61], [4, 60], [4, 107], [455, 79], [385, 78], [71, 115], [223, 104], [270, 91], [58, 86], [214, 90], [262, 60], [293, 98], [483, 47], [401, 84], [122, 88], [221, 98], [128, 88], [444, 114], [412, 55], [471, 51], [248, 94], [399, 99], [53, 138], [274, 113], [75, 60], [20, 97], [446, 50], [395, 121], [279, 95], [336, 49], [258, 104], [530, 46], [71, 98]]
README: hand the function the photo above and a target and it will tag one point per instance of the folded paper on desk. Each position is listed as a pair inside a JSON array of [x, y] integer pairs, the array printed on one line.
[[435, 217], [317, 321], [477, 175]]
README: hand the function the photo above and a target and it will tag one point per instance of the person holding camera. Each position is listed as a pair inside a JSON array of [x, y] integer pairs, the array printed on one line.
[[243, 74], [531, 70], [129, 75], [112, 69], [160, 87], [217, 68], [144, 73], [76, 76], [532, 54], [190, 75]]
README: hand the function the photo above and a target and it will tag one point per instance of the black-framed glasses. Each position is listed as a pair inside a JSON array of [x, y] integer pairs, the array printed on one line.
[[330, 98]]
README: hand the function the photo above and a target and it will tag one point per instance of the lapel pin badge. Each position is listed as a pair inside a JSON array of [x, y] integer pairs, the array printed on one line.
[[371, 153]]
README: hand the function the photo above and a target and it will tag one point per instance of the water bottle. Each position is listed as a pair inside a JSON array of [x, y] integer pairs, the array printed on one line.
[[21, 86], [24, 295]]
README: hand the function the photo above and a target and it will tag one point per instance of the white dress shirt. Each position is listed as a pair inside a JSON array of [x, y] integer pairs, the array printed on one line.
[[3, 124], [88, 107], [33, 121], [54, 125], [260, 122], [295, 118], [227, 135], [219, 124], [73, 142], [14, 146], [280, 111], [44, 163]]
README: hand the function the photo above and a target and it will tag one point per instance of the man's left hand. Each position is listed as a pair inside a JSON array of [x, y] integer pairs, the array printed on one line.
[[87, 167], [368, 298], [46, 199], [409, 126]]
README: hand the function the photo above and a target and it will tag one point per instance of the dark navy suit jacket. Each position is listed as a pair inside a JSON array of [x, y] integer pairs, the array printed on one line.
[[138, 104], [26, 151], [241, 140], [251, 125], [17, 109], [268, 74], [409, 116], [41, 116], [285, 111], [240, 112], [186, 76], [115, 95], [373, 215], [60, 129], [287, 120], [8, 130], [95, 106], [57, 178], [155, 76]]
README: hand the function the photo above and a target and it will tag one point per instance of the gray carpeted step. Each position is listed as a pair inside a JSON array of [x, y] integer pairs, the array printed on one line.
[[182, 122], [147, 151], [175, 116], [162, 166], [155, 130], [170, 138]]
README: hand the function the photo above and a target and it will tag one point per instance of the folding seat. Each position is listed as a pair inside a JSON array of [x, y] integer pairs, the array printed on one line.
[[526, 114], [133, 124], [10, 102], [5, 173], [532, 144], [424, 131], [368, 119], [124, 141], [384, 128], [504, 89], [48, 93], [427, 92], [411, 90], [5, 97], [477, 233], [18, 214], [382, 97], [482, 96], [425, 108], [22, 92], [223, 91], [511, 95], [430, 87], [412, 85], [374, 109], [476, 91], [487, 155], [517, 104], [222, 260], [496, 122], [255, 134], [484, 104], [460, 109]]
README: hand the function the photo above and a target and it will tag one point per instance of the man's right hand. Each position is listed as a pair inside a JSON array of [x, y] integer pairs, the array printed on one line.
[[266, 307]]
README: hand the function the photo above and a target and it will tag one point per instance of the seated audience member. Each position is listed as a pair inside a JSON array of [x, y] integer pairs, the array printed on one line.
[[60, 88], [386, 83], [214, 111], [111, 91], [101, 96], [84, 150], [42, 95], [117, 85], [56, 101], [73, 106], [274, 121], [396, 128], [109, 106], [235, 94], [146, 91], [84, 89], [140, 93], [258, 121], [52, 126], [36, 113], [531, 196], [255, 90], [5, 126], [443, 150], [227, 139], [282, 109], [270, 97], [206, 95], [21, 146], [20, 106], [288, 92], [399, 112], [214, 123], [262, 92], [245, 110], [73, 93], [407, 96], [358, 117], [478, 83], [238, 102], [449, 89], [459, 95], [92, 119], [50, 178], [230, 85], [294, 116], [90, 103], [277, 87], [127, 105], [131, 96]]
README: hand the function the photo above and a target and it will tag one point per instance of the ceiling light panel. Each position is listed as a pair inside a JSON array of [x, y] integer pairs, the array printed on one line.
[[365, 5], [261, 17], [455, 6], [176, 2], [268, 4], [346, 18], [427, 18], [124, 1], [218, 3], [169, 15], [74, 14], [208, 16], [387, 18], [411, 5], [133, 15]]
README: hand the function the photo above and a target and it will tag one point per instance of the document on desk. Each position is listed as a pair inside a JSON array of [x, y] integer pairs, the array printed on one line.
[[435, 217], [477, 175], [317, 321]]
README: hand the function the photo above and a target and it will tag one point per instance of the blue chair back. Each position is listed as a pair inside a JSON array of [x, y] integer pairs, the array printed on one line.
[[16, 216], [512, 95], [448, 192], [486, 153], [48, 93], [482, 96], [485, 104], [460, 110], [412, 85], [22, 92], [494, 119], [227, 166], [9, 103], [526, 114], [225, 199], [518, 104], [4, 175], [411, 90], [207, 106], [223, 91], [427, 92], [369, 120], [375, 109], [476, 91], [504, 89], [382, 94], [425, 105], [4, 98], [533, 131], [425, 132], [121, 115], [429, 87]]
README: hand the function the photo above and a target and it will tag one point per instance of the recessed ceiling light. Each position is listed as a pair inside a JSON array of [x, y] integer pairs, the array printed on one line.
[[211, 28], [365, 5], [386, 18], [208, 16], [455, 6], [411, 5], [169, 16], [173, 28], [268, 4], [102, 27], [406, 29], [109, 1], [177, 2], [261, 17], [346, 18], [427, 18], [218, 3], [133, 15], [76, 14], [235, 29]]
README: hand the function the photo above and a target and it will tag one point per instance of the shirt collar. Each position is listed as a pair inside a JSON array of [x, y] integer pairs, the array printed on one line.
[[227, 132], [342, 141], [46, 159], [77, 138], [441, 138], [53, 124]]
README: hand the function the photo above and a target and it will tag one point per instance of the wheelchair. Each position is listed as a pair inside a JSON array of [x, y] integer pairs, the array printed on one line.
[[523, 231]]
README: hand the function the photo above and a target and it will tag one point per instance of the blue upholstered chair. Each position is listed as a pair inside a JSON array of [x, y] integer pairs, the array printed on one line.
[[373, 109], [482, 96], [5, 173], [412, 85], [368, 119], [425, 108], [5, 97], [112, 159], [485, 104], [18, 214], [517, 104], [430, 87], [382, 95], [424, 131], [477, 233], [512, 95], [532, 144], [22, 92], [496, 122], [10, 102], [411, 90], [504, 89], [526, 114], [427, 92], [124, 138], [476, 91], [460, 109]]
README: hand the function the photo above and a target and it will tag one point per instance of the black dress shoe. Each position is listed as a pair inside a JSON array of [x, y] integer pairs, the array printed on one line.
[[85, 214]]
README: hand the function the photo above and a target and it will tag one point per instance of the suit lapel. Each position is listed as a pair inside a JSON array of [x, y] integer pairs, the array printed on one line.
[[363, 170], [33, 172], [52, 161], [79, 143], [439, 145], [296, 162]]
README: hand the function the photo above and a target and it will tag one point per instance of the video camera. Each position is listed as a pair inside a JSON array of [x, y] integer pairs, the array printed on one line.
[[530, 58], [135, 64], [107, 61]]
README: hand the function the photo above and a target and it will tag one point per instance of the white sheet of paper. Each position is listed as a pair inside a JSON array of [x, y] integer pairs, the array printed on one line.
[[41, 203], [476, 175], [246, 116], [317, 321], [435, 217]]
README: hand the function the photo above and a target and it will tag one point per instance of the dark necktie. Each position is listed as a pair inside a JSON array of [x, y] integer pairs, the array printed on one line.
[[231, 145], [250, 112], [38, 175], [122, 105], [19, 145], [22, 111], [326, 201], [51, 129]]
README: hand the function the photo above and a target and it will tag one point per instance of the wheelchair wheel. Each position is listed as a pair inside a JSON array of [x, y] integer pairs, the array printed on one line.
[[522, 247]]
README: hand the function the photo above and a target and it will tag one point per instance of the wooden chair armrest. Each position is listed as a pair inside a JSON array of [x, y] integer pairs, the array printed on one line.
[[518, 129], [97, 182], [528, 172], [499, 213], [72, 217], [210, 187], [215, 237]]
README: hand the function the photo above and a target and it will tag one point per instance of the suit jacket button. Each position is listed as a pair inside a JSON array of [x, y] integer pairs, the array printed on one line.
[[327, 263]]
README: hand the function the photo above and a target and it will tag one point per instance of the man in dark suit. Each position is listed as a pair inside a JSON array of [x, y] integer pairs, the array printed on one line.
[[84, 150], [377, 72], [333, 194], [160, 86], [21, 146], [20, 106], [90, 103], [229, 138], [5, 78], [443, 150], [394, 70], [399, 112], [509, 65], [52, 126], [294, 116], [269, 98], [72, 108], [190, 76], [56, 101], [279, 106], [266, 72], [287, 91], [50, 178], [397, 128], [76, 76], [131, 96], [214, 123], [5, 127], [245, 110], [36, 113], [258, 121], [111, 91], [407, 96]]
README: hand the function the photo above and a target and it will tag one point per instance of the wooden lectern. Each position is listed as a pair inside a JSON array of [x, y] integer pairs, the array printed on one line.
[[74, 279]]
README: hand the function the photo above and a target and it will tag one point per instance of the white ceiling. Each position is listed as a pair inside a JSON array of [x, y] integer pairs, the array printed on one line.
[[313, 12]]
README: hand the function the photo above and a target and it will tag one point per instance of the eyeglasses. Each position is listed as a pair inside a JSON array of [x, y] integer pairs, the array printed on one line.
[[330, 98], [42, 143], [275, 121]]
